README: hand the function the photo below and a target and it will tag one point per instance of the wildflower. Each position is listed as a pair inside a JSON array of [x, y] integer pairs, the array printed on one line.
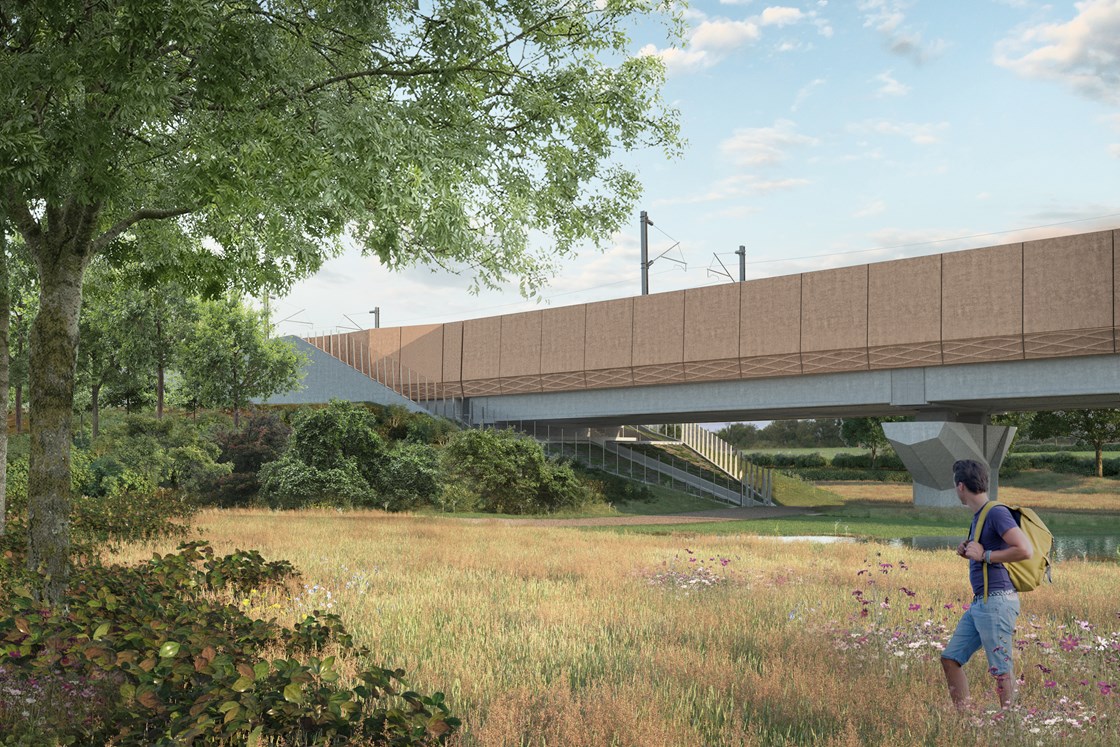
[[907, 592], [915, 607], [1105, 687], [1069, 643], [1050, 684]]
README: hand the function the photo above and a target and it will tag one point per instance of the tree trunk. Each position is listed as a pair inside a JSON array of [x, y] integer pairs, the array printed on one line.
[[95, 407], [1100, 459], [19, 409], [159, 370], [5, 369], [53, 343]]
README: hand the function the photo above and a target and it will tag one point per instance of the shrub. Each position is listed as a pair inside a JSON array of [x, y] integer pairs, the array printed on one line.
[[827, 474], [288, 483], [510, 473], [161, 662], [173, 453], [261, 439], [411, 477], [334, 457]]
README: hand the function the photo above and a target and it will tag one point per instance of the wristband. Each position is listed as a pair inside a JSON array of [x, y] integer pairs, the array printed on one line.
[[988, 557]]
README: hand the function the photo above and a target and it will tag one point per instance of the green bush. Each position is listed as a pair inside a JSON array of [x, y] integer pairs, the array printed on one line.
[[510, 473], [410, 478], [830, 474], [288, 483], [788, 461], [147, 655], [173, 453]]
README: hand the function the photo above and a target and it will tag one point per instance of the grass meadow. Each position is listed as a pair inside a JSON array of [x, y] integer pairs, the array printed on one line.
[[561, 636]]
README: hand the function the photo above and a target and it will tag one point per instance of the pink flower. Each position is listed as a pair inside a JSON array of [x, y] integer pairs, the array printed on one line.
[[949, 606], [1050, 683], [1106, 688], [1069, 643], [965, 607], [915, 607]]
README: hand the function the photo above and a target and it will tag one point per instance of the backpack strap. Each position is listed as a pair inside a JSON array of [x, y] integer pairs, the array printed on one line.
[[976, 535]]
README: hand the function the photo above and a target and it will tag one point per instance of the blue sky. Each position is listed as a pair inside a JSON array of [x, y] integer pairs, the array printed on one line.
[[823, 134]]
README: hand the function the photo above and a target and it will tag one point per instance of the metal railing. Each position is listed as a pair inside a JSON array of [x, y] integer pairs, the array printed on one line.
[[723, 456]]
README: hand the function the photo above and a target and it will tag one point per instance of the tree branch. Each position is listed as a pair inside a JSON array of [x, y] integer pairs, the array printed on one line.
[[123, 225]]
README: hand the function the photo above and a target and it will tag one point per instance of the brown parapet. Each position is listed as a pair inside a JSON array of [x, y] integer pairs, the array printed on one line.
[[904, 356], [605, 378], [834, 311], [520, 384], [563, 382], [834, 361], [482, 345], [658, 329], [609, 335], [1067, 283], [982, 349], [1099, 341], [563, 333], [763, 366], [481, 387], [711, 323], [661, 374], [726, 369]]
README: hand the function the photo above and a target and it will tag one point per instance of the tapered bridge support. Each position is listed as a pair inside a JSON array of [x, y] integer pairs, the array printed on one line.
[[928, 450]]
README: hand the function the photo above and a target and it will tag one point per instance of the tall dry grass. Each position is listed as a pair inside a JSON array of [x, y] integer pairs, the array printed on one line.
[[549, 636], [1067, 493]]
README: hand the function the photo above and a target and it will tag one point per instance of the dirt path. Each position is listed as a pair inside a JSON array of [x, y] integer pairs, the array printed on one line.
[[698, 517]]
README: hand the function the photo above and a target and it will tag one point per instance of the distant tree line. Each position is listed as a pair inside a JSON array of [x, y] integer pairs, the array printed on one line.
[[779, 434]]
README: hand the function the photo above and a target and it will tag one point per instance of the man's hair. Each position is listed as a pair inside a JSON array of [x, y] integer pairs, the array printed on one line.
[[973, 474]]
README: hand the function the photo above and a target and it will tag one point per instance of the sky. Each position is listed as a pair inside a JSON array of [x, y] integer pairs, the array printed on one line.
[[824, 134]]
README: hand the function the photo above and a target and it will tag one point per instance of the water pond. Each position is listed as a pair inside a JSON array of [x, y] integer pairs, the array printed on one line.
[[1066, 547]]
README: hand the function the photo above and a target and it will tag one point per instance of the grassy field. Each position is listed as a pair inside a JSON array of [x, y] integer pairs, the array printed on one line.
[[550, 636]]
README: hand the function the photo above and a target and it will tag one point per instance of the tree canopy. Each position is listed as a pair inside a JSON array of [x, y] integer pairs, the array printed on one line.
[[236, 142]]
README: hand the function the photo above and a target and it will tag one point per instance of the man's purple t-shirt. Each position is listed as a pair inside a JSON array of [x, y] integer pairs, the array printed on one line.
[[999, 520]]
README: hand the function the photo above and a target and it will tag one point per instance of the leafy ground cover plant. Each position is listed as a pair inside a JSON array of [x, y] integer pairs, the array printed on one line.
[[157, 658]]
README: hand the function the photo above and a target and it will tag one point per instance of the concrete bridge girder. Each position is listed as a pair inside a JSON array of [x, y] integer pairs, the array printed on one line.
[[959, 393]]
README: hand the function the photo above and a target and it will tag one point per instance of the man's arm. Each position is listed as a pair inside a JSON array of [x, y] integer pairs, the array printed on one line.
[[1019, 547]]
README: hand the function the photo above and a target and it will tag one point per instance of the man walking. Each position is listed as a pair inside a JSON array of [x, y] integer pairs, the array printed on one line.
[[988, 623]]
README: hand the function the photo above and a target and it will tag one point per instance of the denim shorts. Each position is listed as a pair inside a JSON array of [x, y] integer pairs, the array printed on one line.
[[989, 624]]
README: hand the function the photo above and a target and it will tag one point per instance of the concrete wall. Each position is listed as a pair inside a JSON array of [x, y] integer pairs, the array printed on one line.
[[1039, 299]]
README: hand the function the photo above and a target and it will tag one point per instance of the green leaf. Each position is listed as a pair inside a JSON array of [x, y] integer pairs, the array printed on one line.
[[254, 739], [102, 629], [229, 705], [168, 650], [242, 684], [293, 693]]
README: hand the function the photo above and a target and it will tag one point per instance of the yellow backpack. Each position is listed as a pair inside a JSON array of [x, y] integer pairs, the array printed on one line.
[[1026, 575]]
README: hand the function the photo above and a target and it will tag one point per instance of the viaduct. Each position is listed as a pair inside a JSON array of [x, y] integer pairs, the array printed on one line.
[[948, 339]]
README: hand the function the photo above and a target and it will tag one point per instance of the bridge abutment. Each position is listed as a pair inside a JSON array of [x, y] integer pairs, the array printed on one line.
[[929, 448]]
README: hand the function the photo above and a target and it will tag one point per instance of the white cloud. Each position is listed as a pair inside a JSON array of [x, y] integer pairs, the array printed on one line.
[[723, 35], [890, 86], [984, 196], [805, 92], [1114, 150], [1082, 53], [920, 133], [875, 207], [780, 16], [888, 18], [708, 44], [763, 146]]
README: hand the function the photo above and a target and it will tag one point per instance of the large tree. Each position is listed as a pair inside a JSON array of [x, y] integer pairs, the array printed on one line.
[[241, 138], [228, 359], [1093, 427]]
